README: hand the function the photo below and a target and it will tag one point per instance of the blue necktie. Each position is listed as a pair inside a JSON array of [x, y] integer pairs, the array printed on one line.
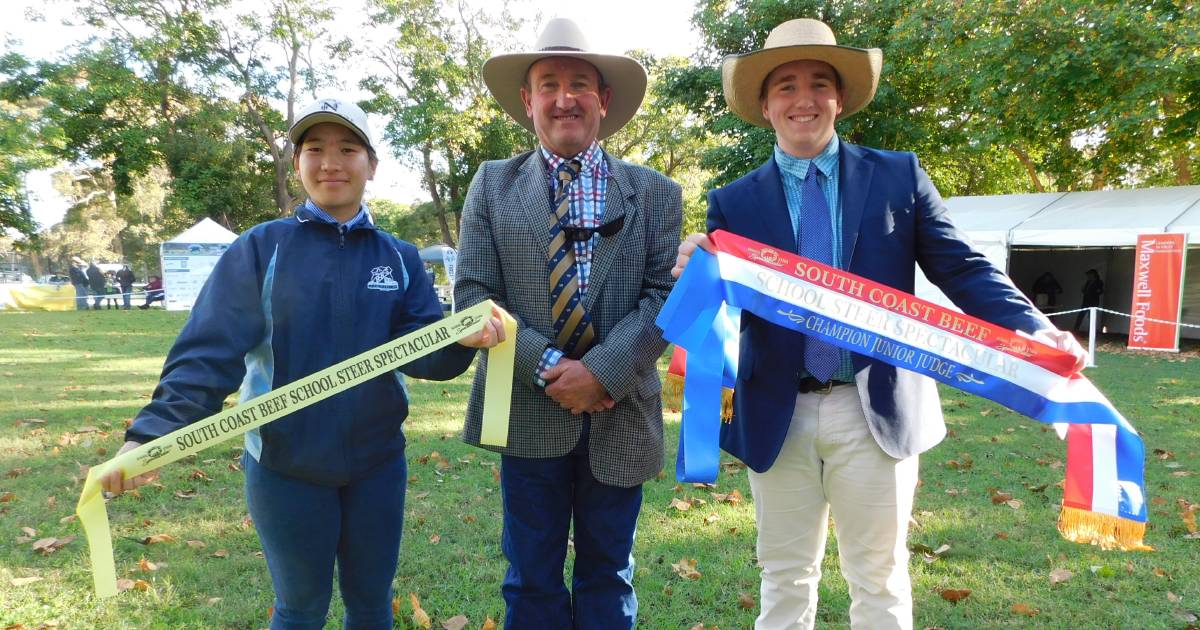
[[821, 359]]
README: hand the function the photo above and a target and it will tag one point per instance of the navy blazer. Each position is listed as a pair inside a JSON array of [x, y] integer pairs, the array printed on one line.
[[892, 217]]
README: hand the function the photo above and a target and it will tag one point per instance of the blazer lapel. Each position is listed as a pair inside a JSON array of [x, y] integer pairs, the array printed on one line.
[[617, 203], [855, 176], [769, 205], [534, 190]]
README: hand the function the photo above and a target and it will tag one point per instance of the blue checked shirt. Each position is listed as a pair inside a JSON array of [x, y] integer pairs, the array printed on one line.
[[792, 171], [585, 209], [363, 216]]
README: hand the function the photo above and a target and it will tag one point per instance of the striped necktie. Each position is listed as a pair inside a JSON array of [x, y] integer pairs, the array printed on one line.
[[821, 358], [572, 325]]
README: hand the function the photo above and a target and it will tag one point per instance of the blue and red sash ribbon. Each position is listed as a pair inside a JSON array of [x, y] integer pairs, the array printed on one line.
[[1104, 496]]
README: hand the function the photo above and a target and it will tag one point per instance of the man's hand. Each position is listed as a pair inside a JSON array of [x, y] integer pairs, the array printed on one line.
[[687, 248], [115, 481], [491, 334], [1064, 341], [573, 387]]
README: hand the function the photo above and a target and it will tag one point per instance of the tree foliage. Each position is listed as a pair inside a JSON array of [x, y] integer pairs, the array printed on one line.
[[427, 79], [996, 97]]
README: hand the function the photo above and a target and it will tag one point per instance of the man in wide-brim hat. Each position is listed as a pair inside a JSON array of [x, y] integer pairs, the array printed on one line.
[[823, 429], [578, 245]]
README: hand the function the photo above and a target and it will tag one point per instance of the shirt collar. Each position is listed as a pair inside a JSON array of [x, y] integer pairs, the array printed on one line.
[[313, 211], [826, 160], [592, 159]]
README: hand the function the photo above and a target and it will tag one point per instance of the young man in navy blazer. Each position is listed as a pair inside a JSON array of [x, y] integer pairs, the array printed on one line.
[[824, 429]]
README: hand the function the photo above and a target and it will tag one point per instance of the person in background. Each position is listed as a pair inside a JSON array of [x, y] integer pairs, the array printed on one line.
[[125, 282], [1092, 288], [1045, 291], [97, 284], [79, 280], [154, 292]]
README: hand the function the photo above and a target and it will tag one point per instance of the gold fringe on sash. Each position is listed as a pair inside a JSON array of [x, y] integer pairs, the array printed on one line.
[[673, 396], [1104, 530]]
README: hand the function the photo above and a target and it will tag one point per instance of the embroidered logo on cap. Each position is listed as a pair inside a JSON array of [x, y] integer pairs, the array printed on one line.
[[329, 106], [381, 280]]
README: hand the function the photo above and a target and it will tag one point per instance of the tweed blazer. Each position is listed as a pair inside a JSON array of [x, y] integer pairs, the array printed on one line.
[[503, 243]]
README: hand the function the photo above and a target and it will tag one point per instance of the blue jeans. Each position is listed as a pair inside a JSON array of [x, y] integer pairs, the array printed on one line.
[[125, 295], [541, 496], [81, 297], [304, 527]]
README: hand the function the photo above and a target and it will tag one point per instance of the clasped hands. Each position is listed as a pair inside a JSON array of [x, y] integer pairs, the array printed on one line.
[[574, 388]]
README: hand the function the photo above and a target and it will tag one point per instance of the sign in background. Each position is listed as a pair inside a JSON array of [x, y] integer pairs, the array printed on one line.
[[186, 266], [1158, 264]]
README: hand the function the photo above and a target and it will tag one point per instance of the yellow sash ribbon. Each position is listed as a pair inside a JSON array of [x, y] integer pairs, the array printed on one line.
[[277, 403]]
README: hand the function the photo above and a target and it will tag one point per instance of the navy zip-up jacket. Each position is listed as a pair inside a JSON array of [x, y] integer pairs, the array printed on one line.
[[289, 298]]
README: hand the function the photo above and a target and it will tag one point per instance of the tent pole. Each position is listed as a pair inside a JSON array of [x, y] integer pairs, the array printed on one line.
[[1091, 358]]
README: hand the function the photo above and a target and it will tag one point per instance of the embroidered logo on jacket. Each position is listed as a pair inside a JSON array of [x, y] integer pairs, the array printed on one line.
[[381, 280]]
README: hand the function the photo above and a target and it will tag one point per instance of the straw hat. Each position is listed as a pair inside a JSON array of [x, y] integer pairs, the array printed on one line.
[[505, 74], [742, 76]]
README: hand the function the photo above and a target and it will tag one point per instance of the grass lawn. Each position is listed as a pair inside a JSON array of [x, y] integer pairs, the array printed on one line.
[[70, 381]]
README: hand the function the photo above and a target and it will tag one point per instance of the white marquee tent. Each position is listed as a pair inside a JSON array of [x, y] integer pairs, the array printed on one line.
[[1069, 233], [188, 259]]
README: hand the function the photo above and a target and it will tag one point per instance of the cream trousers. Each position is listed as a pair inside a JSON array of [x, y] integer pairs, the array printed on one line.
[[830, 461]]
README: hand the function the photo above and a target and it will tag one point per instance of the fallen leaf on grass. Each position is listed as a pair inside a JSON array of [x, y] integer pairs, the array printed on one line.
[[141, 585], [187, 493], [47, 546], [1188, 514], [7, 496], [954, 595], [1173, 598], [16, 472], [745, 601], [1060, 575], [1025, 609], [711, 518], [67, 519], [29, 531], [25, 580], [999, 497], [928, 553], [435, 539], [686, 569], [199, 475], [195, 544], [145, 566], [1014, 504], [213, 601], [124, 584], [488, 624], [419, 616], [420, 495], [733, 498], [457, 622], [158, 538], [221, 553], [681, 505]]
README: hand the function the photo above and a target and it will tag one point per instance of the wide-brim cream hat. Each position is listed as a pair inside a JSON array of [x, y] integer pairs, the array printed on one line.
[[742, 76], [505, 74]]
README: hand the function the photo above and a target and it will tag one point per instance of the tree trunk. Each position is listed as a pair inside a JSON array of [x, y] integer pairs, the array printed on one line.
[[1029, 167], [438, 205]]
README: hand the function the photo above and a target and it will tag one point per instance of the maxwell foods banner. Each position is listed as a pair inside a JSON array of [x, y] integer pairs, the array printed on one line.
[[1158, 264]]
